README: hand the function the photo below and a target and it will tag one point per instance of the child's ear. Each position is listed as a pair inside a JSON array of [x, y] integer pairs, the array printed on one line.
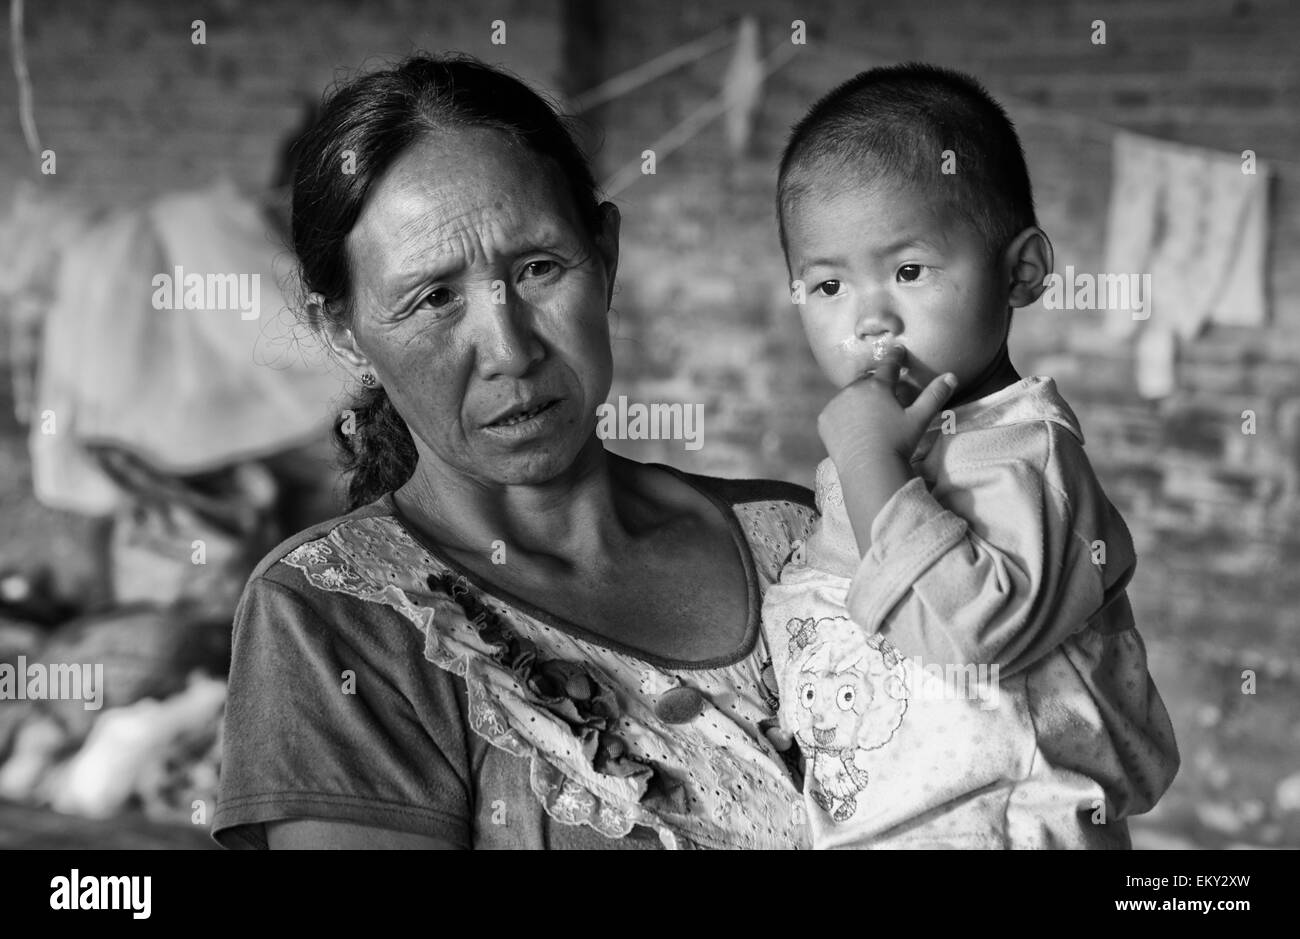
[[1025, 265]]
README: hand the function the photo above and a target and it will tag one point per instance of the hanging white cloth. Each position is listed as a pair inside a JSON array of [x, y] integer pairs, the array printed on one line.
[[188, 387], [1198, 224]]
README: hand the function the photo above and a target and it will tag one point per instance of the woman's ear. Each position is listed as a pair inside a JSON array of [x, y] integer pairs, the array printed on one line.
[[340, 338], [607, 245], [1026, 264]]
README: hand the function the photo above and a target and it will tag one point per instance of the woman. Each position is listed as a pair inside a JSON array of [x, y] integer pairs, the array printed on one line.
[[515, 639]]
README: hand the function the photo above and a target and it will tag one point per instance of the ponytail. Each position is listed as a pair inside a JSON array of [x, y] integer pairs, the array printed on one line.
[[378, 455]]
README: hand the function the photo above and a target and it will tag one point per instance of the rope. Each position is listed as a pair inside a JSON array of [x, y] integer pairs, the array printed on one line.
[[689, 126], [25, 115], [1041, 112], [646, 72]]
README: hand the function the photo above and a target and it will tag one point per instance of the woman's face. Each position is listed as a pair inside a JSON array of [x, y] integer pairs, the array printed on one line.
[[480, 302]]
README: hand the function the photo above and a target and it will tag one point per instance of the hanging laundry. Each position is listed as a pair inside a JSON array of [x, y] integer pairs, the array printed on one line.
[[171, 338], [38, 227], [100, 272], [1198, 224]]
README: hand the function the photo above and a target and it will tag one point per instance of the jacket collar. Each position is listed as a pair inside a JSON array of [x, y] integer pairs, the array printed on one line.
[[1027, 401]]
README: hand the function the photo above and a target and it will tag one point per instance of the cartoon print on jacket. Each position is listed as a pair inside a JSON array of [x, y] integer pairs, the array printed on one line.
[[849, 696]]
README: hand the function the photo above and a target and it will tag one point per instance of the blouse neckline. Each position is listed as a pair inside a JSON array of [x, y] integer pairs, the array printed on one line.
[[576, 631]]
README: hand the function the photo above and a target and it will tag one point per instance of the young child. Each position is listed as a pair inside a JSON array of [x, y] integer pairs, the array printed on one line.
[[956, 654]]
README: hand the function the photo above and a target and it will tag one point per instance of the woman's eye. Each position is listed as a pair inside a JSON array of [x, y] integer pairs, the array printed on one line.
[[807, 695], [845, 696], [536, 269], [439, 298], [828, 288], [909, 273]]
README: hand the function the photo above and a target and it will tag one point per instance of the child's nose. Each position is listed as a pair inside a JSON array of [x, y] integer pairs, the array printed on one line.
[[876, 317]]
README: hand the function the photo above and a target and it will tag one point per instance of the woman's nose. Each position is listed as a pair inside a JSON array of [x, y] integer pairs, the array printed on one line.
[[508, 343]]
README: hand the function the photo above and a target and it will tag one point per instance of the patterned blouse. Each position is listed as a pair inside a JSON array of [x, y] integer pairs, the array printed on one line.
[[377, 682]]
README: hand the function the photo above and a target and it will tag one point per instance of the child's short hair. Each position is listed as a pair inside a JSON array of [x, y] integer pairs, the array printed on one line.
[[897, 122]]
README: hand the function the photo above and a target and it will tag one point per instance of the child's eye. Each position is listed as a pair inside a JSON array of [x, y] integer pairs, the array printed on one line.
[[828, 288], [844, 697], [909, 273]]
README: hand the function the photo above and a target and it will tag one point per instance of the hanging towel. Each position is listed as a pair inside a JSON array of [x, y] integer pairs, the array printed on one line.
[[187, 389], [1198, 225]]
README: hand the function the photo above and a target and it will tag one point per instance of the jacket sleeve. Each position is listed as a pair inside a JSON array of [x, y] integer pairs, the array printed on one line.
[[996, 561]]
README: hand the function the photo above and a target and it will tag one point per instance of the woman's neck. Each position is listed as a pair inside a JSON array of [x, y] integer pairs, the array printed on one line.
[[577, 513]]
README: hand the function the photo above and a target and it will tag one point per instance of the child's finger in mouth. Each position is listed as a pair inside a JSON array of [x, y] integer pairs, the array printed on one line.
[[888, 361]]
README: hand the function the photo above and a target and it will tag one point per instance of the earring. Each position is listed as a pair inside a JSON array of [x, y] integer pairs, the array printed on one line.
[[368, 379]]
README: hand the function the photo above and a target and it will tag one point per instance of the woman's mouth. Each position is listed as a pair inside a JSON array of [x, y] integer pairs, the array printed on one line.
[[522, 420], [518, 417]]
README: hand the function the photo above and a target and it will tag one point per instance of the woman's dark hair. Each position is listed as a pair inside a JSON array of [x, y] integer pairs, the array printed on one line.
[[364, 126]]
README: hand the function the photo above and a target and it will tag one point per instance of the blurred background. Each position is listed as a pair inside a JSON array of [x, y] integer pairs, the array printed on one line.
[[149, 457]]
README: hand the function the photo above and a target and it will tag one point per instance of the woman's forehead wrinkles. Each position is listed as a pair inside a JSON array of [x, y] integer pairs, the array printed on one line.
[[440, 210], [471, 233], [436, 234]]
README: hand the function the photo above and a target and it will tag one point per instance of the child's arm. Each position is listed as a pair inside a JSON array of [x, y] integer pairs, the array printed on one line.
[[995, 565], [870, 438]]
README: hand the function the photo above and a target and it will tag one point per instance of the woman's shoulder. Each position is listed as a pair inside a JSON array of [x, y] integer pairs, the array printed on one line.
[[279, 563], [748, 490], [331, 577], [773, 516]]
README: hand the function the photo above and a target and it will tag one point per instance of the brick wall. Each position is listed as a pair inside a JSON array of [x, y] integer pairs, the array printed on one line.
[[702, 316], [132, 106]]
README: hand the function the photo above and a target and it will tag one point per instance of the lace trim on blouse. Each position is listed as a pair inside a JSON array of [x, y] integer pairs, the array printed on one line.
[[583, 714]]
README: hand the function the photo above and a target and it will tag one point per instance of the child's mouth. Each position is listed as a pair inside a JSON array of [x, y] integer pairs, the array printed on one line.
[[884, 347], [872, 353]]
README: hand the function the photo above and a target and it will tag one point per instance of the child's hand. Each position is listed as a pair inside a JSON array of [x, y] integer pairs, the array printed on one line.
[[867, 421]]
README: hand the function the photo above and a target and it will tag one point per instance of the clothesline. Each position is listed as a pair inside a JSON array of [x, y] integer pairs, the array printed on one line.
[[626, 82], [1086, 123], [25, 112], [679, 135], [1073, 119], [691, 125], [646, 72]]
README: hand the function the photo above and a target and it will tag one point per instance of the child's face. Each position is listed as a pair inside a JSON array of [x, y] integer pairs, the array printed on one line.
[[883, 261]]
